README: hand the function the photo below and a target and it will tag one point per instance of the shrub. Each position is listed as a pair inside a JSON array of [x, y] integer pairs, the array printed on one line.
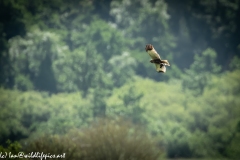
[[103, 140]]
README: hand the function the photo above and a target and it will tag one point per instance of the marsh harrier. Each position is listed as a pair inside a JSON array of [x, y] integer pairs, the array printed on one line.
[[159, 63]]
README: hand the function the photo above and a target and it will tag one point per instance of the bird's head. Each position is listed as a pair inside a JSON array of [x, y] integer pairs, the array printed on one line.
[[148, 47]]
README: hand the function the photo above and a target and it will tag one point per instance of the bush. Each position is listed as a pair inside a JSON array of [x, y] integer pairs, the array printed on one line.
[[104, 140], [10, 149]]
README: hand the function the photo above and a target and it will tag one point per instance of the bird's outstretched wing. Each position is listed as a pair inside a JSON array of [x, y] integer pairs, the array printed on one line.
[[160, 67], [152, 52]]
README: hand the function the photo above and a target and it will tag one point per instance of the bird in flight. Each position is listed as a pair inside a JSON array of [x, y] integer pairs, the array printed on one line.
[[159, 63]]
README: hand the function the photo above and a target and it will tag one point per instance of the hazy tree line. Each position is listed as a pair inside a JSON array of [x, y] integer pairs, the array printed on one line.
[[75, 77]]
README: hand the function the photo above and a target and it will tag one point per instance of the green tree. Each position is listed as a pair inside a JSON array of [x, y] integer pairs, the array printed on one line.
[[47, 61], [66, 111], [216, 117], [21, 113], [127, 104], [32, 58], [121, 68], [11, 24], [198, 25], [9, 108], [197, 77], [11, 149], [143, 22]]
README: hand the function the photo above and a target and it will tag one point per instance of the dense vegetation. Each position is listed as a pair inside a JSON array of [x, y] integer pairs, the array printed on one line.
[[75, 78]]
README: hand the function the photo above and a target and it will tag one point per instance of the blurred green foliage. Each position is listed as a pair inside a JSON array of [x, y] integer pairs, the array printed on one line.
[[104, 139], [66, 65], [11, 150]]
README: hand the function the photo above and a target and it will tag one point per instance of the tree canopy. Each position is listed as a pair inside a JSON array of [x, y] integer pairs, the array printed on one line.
[[73, 72]]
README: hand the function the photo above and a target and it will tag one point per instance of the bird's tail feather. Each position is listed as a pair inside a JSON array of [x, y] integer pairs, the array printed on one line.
[[160, 68]]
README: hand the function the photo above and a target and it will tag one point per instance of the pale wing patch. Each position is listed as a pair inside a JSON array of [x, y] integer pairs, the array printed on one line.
[[153, 54], [160, 68]]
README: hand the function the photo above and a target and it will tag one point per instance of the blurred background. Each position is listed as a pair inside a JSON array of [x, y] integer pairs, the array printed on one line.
[[78, 68]]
